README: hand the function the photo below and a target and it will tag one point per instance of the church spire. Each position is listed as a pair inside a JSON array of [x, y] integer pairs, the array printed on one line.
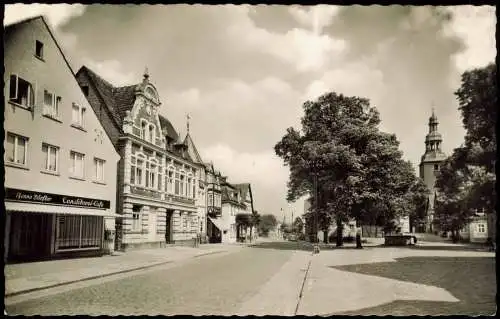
[[187, 122], [433, 139]]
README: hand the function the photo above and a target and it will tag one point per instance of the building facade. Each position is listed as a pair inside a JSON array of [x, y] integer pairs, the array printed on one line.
[[214, 204], [429, 166], [60, 165], [156, 176]]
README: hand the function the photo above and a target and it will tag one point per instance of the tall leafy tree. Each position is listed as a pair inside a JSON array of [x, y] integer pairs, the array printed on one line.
[[268, 222], [467, 178], [354, 164]]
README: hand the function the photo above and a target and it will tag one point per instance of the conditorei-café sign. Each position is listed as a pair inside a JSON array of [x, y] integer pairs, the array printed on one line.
[[19, 195]]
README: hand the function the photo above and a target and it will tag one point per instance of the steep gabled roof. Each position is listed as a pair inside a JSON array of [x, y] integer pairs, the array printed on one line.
[[190, 143], [171, 132]]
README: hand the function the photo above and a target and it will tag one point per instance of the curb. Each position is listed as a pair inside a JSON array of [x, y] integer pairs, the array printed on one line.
[[21, 292]]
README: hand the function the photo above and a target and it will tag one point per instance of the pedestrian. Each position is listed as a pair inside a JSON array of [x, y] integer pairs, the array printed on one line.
[[358, 238]]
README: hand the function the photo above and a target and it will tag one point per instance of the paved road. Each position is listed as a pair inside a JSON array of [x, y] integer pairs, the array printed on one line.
[[206, 285]]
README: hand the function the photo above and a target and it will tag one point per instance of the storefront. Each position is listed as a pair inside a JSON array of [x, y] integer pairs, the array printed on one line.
[[44, 225]]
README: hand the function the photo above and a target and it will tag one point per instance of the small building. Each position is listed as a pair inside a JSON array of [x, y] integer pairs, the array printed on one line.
[[477, 230], [156, 176], [60, 164]]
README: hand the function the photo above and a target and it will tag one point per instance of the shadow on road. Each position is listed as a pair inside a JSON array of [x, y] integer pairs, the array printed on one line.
[[470, 279], [450, 247]]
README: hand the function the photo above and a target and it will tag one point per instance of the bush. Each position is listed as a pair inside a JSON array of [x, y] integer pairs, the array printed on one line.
[[301, 237]]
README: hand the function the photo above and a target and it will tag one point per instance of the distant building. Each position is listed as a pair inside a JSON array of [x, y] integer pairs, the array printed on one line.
[[214, 204], [60, 164], [429, 166], [158, 172]]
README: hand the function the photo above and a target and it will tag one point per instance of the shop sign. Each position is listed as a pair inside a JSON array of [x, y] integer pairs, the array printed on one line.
[[19, 195]]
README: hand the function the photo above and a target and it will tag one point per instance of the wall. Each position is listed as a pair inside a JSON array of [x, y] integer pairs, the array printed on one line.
[[53, 74]]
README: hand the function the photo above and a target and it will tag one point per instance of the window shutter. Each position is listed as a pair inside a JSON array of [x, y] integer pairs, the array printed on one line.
[[13, 87]]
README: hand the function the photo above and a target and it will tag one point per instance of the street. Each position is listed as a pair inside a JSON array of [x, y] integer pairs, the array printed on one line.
[[284, 278]]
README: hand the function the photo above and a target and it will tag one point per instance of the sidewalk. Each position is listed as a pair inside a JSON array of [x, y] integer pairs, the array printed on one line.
[[28, 277]]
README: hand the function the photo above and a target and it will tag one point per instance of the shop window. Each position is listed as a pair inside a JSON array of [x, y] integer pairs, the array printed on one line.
[[16, 150], [21, 92], [78, 232]]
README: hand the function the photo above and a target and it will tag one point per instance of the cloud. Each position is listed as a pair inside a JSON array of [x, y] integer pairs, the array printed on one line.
[[112, 71], [476, 26], [307, 50], [314, 17], [57, 14]]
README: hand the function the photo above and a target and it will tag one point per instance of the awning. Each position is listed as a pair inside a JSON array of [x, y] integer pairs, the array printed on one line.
[[217, 223], [54, 209]]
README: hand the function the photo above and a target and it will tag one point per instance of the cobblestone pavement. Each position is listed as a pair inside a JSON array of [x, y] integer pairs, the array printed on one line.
[[202, 286]]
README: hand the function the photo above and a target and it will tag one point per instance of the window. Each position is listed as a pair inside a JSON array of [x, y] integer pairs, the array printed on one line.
[[51, 157], [39, 49], [436, 167], [177, 184], [182, 187], [17, 149], [85, 89], [481, 228], [99, 169], [77, 115], [21, 92], [160, 178], [151, 175], [143, 130], [194, 189], [77, 164], [151, 136], [51, 104], [170, 181], [78, 232], [188, 187], [136, 218], [136, 170], [210, 199]]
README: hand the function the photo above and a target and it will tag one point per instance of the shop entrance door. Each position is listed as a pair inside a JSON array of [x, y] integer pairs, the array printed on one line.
[[30, 235]]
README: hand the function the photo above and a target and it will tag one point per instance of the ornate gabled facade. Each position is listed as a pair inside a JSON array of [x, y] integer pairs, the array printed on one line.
[[157, 176], [429, 166]]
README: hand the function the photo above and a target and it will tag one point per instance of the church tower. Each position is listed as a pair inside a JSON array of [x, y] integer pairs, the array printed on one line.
[[429, 166]]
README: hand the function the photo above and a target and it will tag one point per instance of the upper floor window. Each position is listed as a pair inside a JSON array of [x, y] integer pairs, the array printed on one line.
[[77, 166], [210, 199], [169, 180], [99, 169], [39, 49], [182, 185], [16, 149], [77, 116], [137, 169], [50, 157], [151, 174], [143, 129], [51, 103], [177, 190], [21, 92], [151, 135]]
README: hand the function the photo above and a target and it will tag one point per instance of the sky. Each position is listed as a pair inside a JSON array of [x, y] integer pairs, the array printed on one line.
[[242, 73]]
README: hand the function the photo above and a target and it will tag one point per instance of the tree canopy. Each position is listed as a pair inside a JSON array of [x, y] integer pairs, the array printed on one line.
[[466, 180], [267, 223], [359, 170]]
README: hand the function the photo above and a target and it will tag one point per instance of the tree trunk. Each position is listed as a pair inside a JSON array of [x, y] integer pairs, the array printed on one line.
[[325, 236], [340, 233]]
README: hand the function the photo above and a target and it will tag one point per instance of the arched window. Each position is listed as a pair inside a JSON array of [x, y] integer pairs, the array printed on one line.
[[137, 169]]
